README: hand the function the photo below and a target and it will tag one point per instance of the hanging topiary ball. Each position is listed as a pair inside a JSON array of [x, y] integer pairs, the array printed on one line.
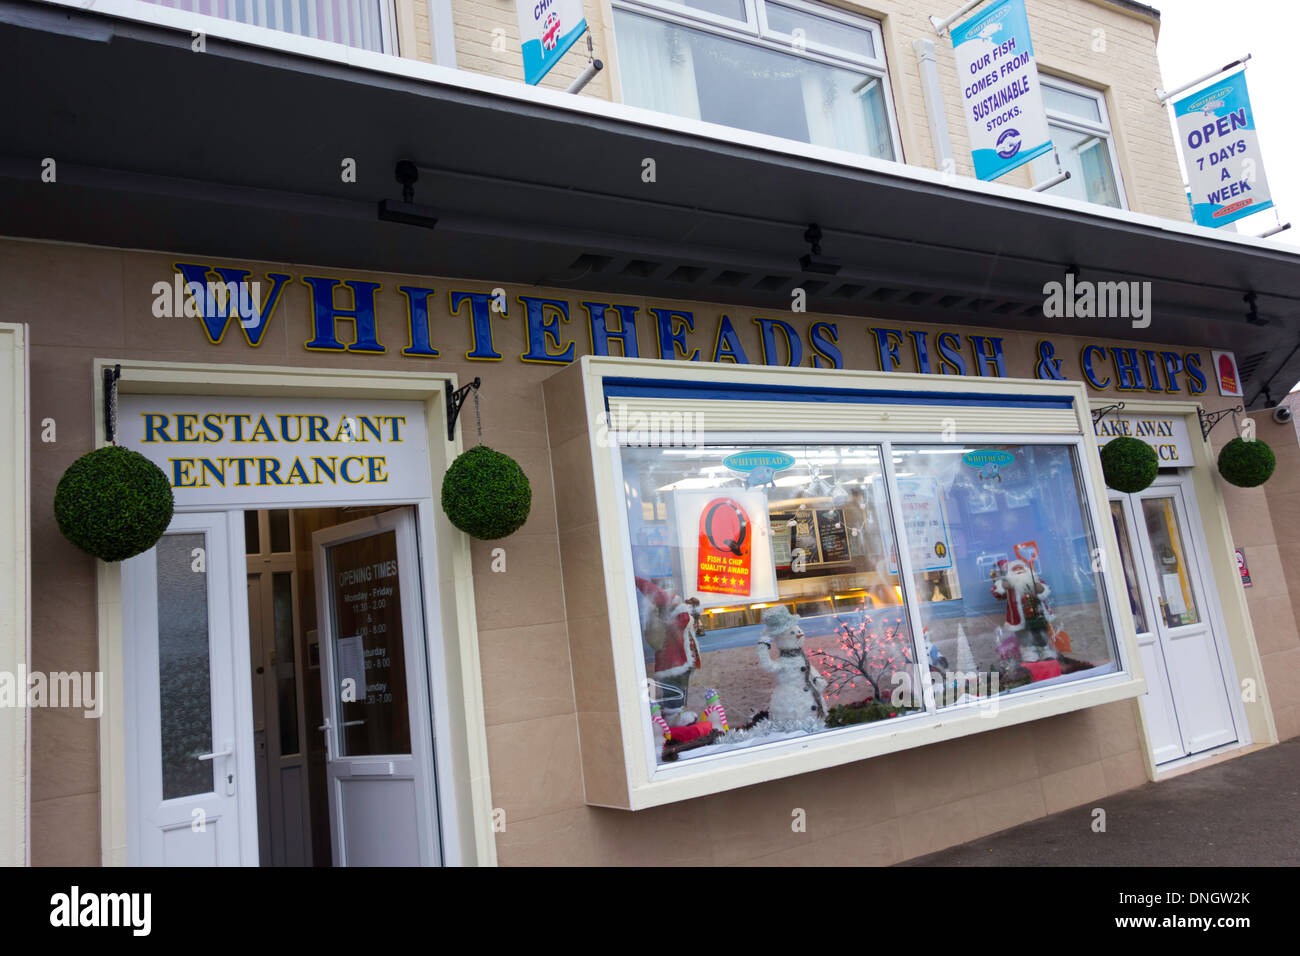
[[1246, 464], [486, 494], [1129, 464], [113, 503]]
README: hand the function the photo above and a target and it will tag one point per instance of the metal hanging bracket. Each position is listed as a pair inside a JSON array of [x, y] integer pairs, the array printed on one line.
[[1164, 96], [1099, 413], [111, 375], [1210, 419], [455, 399]]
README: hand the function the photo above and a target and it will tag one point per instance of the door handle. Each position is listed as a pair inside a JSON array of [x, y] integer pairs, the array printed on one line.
[[325, 728], [229, 752]]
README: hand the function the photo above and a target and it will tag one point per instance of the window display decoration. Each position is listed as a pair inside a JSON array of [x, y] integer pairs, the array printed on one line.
[[113, 503], [668, 626], [823, 638], [1028, 615], [1129, 464], [1246, 464], [486, 494], [798, 695], [865, 654]]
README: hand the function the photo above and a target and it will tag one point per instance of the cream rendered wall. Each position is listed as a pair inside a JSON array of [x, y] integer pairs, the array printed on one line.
[[1273, 554], [479, 50], [1104, 45], [1099, 44]]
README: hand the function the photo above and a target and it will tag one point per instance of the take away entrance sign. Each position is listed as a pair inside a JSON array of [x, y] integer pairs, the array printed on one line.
[[1166, 434], [547, 28], [1225, 172], [1001, 97]]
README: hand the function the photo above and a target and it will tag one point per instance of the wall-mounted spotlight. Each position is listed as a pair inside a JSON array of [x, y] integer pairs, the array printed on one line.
[[1252, 310], [407, 211], [814, 261]]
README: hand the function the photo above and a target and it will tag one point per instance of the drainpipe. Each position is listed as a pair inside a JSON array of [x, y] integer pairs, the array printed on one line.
[[933, 92]]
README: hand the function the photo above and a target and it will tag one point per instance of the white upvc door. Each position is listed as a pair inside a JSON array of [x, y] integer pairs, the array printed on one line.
[[1163, 734], [374, 682], [1188, 706], [191, 792], [1185, 617]]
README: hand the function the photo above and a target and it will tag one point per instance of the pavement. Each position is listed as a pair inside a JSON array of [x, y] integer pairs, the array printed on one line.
[[1241, 812]]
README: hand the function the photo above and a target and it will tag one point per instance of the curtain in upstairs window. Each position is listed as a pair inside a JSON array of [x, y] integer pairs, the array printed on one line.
[[354, 23], [845, 110], [657, 66]]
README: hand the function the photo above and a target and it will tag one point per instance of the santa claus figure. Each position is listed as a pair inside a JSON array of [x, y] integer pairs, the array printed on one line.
[[1028, 617], [668, 625]]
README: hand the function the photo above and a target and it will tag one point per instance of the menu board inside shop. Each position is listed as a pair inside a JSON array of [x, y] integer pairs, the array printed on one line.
[[833, 537], [797, 533], [369, 648]]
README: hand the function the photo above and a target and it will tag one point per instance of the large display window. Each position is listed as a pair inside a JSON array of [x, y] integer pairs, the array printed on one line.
[[792, 589], [793, 568]]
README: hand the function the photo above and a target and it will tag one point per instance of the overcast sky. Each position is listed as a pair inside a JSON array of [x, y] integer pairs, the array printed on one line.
[[1199, 35]]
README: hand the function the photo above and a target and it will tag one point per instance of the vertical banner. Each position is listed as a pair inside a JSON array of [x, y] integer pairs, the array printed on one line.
[[547, 28], [1001, 97], [1221, 150]]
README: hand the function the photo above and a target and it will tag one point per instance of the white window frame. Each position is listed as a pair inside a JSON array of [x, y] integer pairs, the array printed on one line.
[[143, 10], [755, 31], [1103, 130], [651, 784]]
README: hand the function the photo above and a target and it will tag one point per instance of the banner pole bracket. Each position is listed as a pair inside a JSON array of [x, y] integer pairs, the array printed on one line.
[[941, 24], [1164, 96], [111, 375], [455, 399], [1099, 413], [1210, 419]]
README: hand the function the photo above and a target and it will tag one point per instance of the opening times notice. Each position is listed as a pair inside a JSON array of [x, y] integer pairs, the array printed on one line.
[[371, 666]]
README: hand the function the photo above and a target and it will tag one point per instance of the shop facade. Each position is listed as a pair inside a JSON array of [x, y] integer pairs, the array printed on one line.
[[536, 651], [820, 568]]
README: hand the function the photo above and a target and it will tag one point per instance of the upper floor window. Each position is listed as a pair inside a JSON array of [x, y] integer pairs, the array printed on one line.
[[365, 24], [1080, 127], [792, 69]]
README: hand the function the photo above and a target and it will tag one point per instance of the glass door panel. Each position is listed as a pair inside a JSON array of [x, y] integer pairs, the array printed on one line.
[[366, 604], [1132, 575], [1176, 597], [185, 681]]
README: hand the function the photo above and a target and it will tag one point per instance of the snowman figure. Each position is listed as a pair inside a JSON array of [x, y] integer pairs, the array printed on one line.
[[798, 694]]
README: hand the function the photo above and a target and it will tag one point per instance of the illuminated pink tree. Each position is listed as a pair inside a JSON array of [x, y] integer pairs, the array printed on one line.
[[865, 653]]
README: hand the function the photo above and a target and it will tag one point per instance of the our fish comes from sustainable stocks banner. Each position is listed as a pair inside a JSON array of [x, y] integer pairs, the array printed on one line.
[[1001, 97], [1221, 148]]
